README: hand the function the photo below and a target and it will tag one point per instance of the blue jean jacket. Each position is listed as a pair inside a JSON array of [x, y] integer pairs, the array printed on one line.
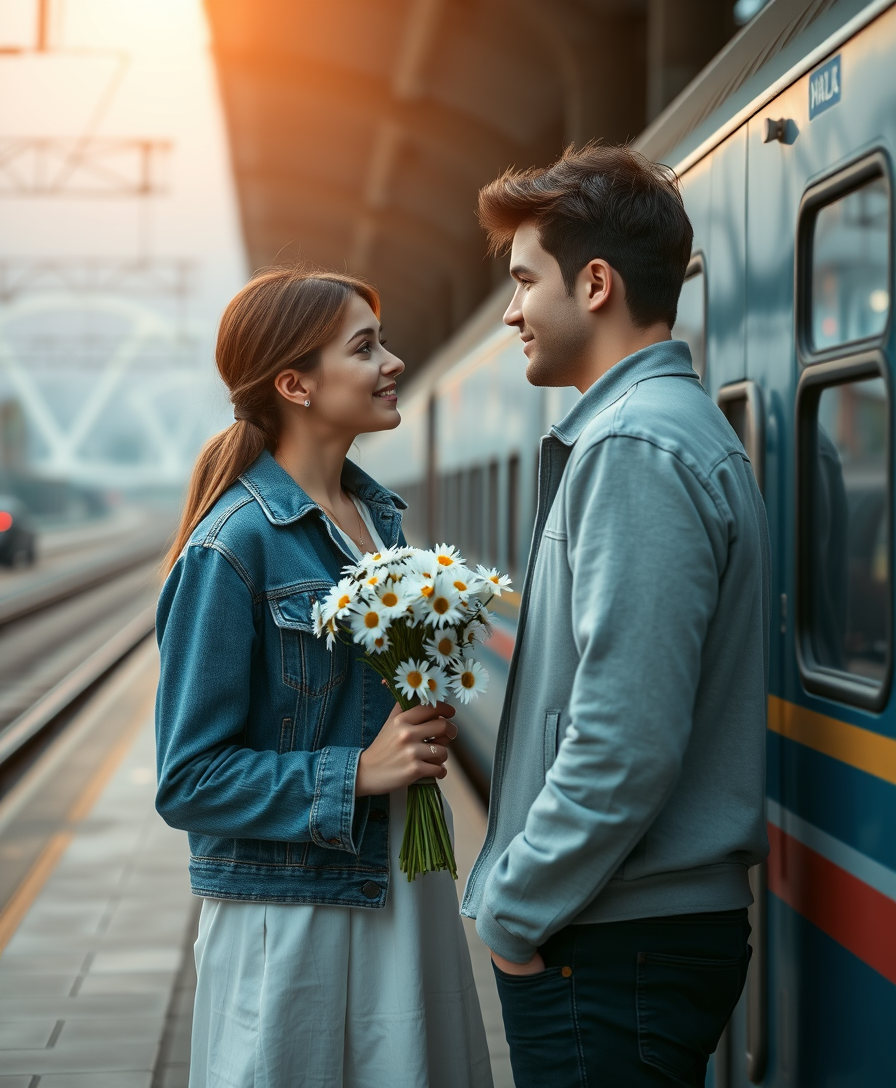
[[259, 727]]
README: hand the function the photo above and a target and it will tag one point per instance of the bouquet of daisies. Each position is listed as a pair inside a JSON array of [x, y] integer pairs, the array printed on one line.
[[418, 614]]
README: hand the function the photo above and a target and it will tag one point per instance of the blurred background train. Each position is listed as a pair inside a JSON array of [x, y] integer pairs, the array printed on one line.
[[785, 149]]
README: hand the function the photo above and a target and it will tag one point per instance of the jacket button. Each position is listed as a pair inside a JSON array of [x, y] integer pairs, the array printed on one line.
[[335, 842], [566, 972], [371, 890]]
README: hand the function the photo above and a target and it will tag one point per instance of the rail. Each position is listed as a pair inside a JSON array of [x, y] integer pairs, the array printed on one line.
[[102, 566], [57, 700]]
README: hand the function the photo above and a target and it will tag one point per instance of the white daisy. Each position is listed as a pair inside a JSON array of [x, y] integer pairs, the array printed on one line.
[[495, 582], [463, 581], [368, 622], [380, 644], [392, 597], [411, 677], [448, 556], [443, 604], [475, 631], [331, 630], [442, 647], [317, 618], [436, 685], [340, 598], [468, 680], [423, 563]]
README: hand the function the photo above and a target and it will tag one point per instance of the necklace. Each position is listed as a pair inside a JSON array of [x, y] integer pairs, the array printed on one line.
[[360, 541]]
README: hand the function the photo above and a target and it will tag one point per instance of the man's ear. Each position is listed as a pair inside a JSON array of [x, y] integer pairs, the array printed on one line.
[[294, 386], [599, 283]]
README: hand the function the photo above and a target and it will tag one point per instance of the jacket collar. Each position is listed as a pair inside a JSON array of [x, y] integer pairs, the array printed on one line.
[[668, 358], [283, 501]]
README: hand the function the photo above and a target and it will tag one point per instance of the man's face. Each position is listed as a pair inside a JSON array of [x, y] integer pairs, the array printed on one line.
[[554, 327]]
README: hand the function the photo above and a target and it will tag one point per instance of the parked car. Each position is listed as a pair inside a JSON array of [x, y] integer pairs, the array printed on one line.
[[18, 538]]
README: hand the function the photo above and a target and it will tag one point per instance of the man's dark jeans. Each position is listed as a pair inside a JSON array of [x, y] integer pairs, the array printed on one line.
[[626, 1004]]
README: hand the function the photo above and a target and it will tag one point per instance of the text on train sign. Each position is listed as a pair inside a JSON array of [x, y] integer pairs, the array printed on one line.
[[824, 87]]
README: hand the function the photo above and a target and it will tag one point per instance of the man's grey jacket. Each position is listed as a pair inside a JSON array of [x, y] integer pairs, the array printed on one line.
[[629, 776]]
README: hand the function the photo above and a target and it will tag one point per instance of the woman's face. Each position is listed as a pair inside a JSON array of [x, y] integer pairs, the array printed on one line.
[[353, 388]]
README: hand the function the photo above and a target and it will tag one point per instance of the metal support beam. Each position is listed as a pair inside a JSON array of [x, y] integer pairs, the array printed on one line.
[[143, 276], [93, 166]]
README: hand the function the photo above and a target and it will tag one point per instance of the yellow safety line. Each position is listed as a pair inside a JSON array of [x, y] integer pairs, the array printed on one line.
[[17, 907], [860, 748]]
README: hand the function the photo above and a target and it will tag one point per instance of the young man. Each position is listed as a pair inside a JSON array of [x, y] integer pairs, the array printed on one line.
[[629, 777]]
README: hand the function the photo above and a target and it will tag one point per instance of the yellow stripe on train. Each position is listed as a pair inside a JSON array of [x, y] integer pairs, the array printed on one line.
[[860, 748]]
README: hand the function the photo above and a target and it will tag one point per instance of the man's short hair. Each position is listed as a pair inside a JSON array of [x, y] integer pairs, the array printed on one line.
[[607, 202]]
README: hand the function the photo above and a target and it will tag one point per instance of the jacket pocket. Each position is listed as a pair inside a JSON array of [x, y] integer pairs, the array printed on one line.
[[308, 666], [551, 738], [683, 1005]]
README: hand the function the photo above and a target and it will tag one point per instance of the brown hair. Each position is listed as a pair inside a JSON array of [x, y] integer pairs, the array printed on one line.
[[280, 320], [607, 202]]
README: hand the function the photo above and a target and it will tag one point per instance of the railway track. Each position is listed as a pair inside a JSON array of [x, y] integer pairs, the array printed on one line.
[[59, 635]]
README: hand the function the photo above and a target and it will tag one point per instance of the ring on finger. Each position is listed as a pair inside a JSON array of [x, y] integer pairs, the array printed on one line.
[[432, 749]]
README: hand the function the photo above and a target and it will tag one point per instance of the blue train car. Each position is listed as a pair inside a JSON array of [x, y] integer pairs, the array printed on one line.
[[785, 146]]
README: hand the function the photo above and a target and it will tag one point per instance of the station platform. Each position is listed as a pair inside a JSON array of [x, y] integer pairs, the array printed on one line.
[[96, 969]]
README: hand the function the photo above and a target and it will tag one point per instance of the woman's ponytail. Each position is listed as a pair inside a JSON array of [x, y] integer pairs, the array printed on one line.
[[280, 320], [221, 462]]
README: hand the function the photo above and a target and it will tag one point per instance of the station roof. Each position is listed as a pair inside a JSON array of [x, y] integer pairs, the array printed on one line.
[[361, 131]]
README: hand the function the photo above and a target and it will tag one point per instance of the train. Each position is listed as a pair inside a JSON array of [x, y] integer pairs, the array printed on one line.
[[784, 146]]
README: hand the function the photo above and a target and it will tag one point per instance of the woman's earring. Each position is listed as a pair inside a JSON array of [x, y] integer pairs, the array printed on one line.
[[307, 403]]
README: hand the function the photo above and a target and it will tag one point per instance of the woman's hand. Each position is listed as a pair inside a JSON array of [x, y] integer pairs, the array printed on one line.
[[411, 745]]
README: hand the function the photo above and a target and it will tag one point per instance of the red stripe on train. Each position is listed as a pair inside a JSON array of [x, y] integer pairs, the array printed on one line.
[[853, 913]]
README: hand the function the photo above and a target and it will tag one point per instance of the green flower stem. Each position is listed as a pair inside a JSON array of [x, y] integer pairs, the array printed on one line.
[[426, 845]]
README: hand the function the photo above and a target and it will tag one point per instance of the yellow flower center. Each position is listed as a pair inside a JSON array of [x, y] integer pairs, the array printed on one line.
[[371, 620], [441, 605], [377, 557], [428, 591], [445, 646], [379, 643], [431, 684], [390, 600], [344, 600], [494, 578], [446, 561], [373, 580], [415, 679], [468, 680], [461, 587]]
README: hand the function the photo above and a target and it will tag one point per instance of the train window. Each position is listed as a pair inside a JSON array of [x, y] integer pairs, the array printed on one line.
[[492, 499], [851, 267], [690, 322], [513, 513], [843, 287], [845, 529]]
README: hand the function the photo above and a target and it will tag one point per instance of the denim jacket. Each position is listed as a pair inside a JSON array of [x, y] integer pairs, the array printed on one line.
[[259, 727]]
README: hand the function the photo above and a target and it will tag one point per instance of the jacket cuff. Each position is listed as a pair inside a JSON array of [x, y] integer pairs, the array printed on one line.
[[336, 822], [499, 940]]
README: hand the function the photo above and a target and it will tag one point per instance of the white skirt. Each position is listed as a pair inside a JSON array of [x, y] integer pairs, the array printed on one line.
[[339, 997]]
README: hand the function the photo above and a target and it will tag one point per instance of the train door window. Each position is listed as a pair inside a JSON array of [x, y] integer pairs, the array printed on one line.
[[513, 513], [845, 530], [844, 288], [690, 321], [492, 500]]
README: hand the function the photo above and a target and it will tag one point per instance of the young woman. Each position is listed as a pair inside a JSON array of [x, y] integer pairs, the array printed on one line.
[[318, 963]]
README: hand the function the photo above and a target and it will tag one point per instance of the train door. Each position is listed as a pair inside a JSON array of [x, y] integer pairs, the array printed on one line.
[[819, 349]]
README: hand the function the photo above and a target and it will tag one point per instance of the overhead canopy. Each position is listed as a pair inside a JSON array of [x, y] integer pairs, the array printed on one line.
[[361, 131]]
